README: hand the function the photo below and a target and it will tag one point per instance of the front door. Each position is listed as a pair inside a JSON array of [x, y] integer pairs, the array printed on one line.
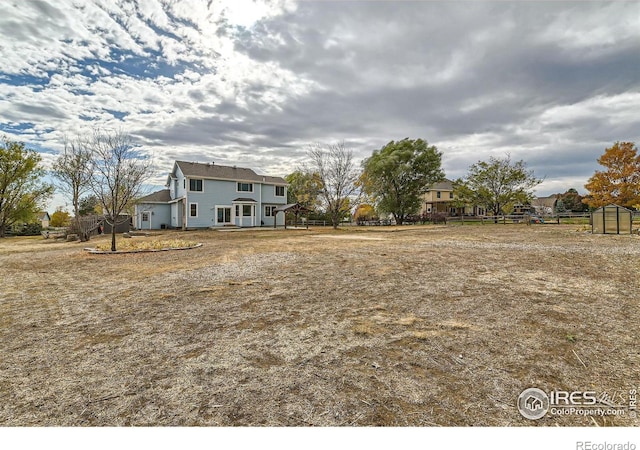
[[145, 220], [223, 215]]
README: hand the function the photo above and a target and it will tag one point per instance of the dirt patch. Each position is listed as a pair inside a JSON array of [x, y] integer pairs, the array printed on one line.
[[428, 326]]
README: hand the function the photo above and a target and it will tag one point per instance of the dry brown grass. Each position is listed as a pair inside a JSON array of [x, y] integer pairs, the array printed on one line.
[[387, 326]]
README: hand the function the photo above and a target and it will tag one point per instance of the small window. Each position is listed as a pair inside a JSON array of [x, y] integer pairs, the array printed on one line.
[[279, 191], [246, 210], [451, 195], [184, 183], [193, 210], [145, 216], [245, 187], [195, 185], [438, 194], [269, 211], [237, 210]]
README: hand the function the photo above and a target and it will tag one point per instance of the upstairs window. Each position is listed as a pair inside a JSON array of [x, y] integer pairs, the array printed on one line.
[[245, 187], [195, 185], [450, 194], [279, 191], [438, 194]]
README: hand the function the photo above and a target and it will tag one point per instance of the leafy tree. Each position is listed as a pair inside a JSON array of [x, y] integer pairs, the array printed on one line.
[[462, 196], [89, 204], [571, 201], [118, 172], [497, 183], [60, 218], [399, 173], [72, 170], [22, 193], [620, 182], [364, 211], [304, 188], [338, 176]]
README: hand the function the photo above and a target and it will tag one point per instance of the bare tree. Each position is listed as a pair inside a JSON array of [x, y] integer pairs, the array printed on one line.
[[72, 170], [118, 170], [338, 174]]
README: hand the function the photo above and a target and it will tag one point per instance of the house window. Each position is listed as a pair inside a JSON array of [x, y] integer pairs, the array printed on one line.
[[184, 183], [237, 210], [279, 191], [195, 185], [451, 195], [246, 210], [193, 210], [145, 216], [245, 187], [438, 194], [269, 211]]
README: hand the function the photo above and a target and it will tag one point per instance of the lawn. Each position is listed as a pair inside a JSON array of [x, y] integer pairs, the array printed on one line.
[[406, 326]]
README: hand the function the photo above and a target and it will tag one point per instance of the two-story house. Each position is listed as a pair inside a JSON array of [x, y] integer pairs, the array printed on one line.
[[440, 198], [203, 195]]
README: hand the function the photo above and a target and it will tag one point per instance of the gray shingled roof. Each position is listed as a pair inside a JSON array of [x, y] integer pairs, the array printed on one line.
[[218, 172], [446, 185], [156, 197]]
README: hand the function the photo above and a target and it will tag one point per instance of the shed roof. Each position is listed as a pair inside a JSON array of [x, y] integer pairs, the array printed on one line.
[[161, 196], [292, 207], [218, 172], [612, 206]]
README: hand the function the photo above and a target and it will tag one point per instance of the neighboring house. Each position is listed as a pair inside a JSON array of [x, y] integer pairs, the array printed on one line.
[[440, 198], [520, 208], [545, 205], [44, 219], [203, 195]]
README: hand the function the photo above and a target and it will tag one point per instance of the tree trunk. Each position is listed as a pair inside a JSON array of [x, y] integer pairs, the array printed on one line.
[[2, 231], [113, 237]]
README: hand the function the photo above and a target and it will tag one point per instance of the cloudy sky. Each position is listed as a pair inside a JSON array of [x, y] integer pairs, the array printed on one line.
[[253, 83]]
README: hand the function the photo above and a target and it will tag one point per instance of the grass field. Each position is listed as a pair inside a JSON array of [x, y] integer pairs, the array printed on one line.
[[407, 326]]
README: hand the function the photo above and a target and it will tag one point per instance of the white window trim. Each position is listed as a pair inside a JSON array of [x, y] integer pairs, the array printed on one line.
[[197, 210], [272, 208], [244, 182], [201, 179], [275, 191], [148, 213], [252, 209]]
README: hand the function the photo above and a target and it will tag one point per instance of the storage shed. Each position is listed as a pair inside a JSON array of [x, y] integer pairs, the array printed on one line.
[[611, 219]]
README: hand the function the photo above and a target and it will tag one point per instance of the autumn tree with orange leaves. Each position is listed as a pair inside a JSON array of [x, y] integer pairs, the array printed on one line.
[[620, 182]]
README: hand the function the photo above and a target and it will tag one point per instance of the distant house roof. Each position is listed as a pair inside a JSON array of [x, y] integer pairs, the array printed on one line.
[[545, 202], [43, 215], [218, 172], [445, 185], [156, 197]]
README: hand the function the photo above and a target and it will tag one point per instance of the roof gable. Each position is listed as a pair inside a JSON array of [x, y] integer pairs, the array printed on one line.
[[218, 172]]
